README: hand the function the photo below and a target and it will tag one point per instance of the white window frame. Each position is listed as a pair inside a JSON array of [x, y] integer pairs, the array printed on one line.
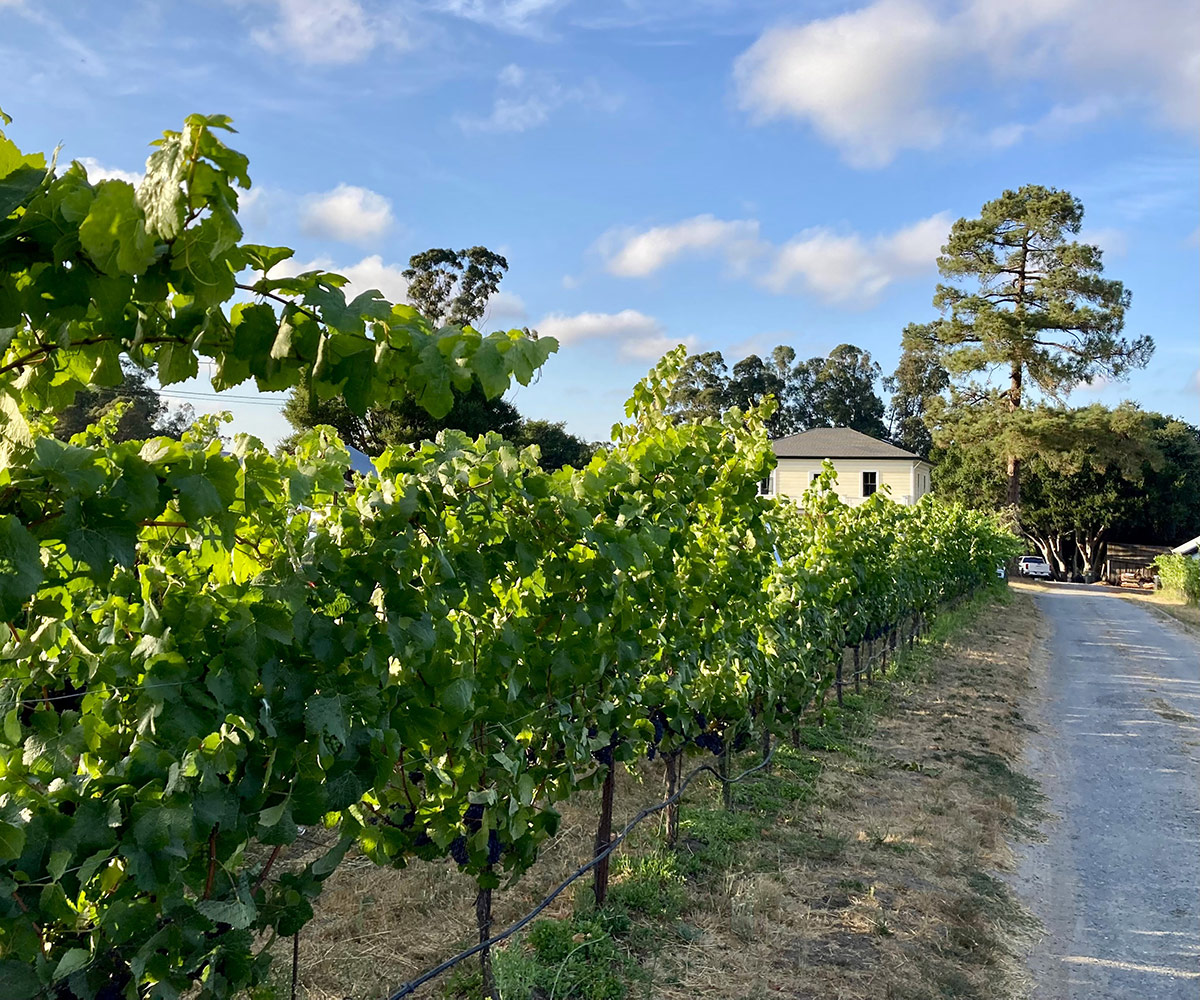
[[770, 481], [813, 476], [862, 485]]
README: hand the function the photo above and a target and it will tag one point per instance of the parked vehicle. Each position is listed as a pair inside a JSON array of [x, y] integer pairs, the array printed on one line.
[[1034, 566]]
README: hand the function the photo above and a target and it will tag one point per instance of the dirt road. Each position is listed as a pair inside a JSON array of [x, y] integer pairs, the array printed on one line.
[[1117, 882]]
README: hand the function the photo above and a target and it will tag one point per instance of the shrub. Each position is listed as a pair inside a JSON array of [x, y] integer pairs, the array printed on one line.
[[1180, 575]]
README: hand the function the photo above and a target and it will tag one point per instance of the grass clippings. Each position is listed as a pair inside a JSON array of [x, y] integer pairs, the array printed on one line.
[[865, 865]]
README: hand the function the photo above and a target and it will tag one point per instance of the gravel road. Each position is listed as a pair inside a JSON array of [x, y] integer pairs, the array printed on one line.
[[1117, 882]]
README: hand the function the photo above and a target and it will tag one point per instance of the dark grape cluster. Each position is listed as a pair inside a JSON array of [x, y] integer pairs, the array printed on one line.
[[659, 721], [495, 847], [711, 742]]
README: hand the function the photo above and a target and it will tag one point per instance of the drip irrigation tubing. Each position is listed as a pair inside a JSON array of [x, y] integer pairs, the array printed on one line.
[[407, 989]]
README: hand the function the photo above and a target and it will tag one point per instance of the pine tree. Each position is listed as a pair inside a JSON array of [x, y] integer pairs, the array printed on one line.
[[1029, 304]]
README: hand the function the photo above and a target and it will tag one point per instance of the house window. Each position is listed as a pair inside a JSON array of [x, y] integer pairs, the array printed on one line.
[[764, 487], [870, 483], [813, 477]]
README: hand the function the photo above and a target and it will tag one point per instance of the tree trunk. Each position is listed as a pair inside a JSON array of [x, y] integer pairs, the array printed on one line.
[[1090, 549], [1013, 494]]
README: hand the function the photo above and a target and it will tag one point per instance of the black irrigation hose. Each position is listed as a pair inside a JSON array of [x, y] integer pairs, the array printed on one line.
[[407, 989]]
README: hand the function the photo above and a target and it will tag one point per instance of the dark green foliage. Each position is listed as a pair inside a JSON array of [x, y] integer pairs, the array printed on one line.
[[453, 286], [839, 391], [1091, 475], [1029, 303], [558, 447], [144, 414], [834, 391], [918, 380], [405, 421]]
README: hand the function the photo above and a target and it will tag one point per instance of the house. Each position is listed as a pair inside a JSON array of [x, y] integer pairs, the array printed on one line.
[[864, 466]]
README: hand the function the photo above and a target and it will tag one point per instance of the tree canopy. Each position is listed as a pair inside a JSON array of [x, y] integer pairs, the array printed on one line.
[[837, 390], [1097, 474], [454, 286], [1028, 306], [451, 286], [143, 414]]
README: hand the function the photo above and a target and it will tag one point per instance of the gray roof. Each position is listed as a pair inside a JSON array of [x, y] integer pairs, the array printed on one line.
[[837, 442]]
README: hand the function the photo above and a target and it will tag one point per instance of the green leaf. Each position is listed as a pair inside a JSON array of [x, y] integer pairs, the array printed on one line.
[[161, 194], [19, 980], [20, 566], [327, 863], [176, 363], [488, 363], [14, 430], [114, 232], [237, 913], [72, 961], [198, 497], [12, 841], [456, 696], [324, 714]]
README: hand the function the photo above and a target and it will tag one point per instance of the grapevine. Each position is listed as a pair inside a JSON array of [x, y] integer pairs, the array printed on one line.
[[209, 647]]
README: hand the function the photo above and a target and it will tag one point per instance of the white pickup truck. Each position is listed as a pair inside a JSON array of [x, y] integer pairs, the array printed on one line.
[[1034, 566]]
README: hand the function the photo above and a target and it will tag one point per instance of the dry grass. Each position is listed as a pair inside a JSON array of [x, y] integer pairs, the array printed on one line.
[[909, 906], [1162, 603], [872, 881]]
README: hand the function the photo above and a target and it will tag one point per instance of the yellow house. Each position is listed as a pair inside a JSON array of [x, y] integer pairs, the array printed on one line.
[[864, 466]]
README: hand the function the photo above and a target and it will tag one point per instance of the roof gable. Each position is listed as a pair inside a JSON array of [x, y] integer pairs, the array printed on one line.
[[838, 442]]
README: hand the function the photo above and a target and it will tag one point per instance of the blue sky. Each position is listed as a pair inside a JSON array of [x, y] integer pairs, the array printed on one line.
[[730, 175]]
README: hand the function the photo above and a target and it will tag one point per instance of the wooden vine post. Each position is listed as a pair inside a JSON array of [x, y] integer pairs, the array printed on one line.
[[604, 828], [671, 813], [483, 920], [726, 787]]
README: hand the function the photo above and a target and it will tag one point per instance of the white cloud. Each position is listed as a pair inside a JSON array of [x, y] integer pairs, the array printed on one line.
[[848, 268], [631, 254], [635, 334], [838, 267], [518, 17], [1114, 242], [370, 272], [328, 31], [504, 309], [526, 100], [97, 172], [348, 213], [511, 76], [863, 79], [509, 114], [1094, 387], [889, 76]]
